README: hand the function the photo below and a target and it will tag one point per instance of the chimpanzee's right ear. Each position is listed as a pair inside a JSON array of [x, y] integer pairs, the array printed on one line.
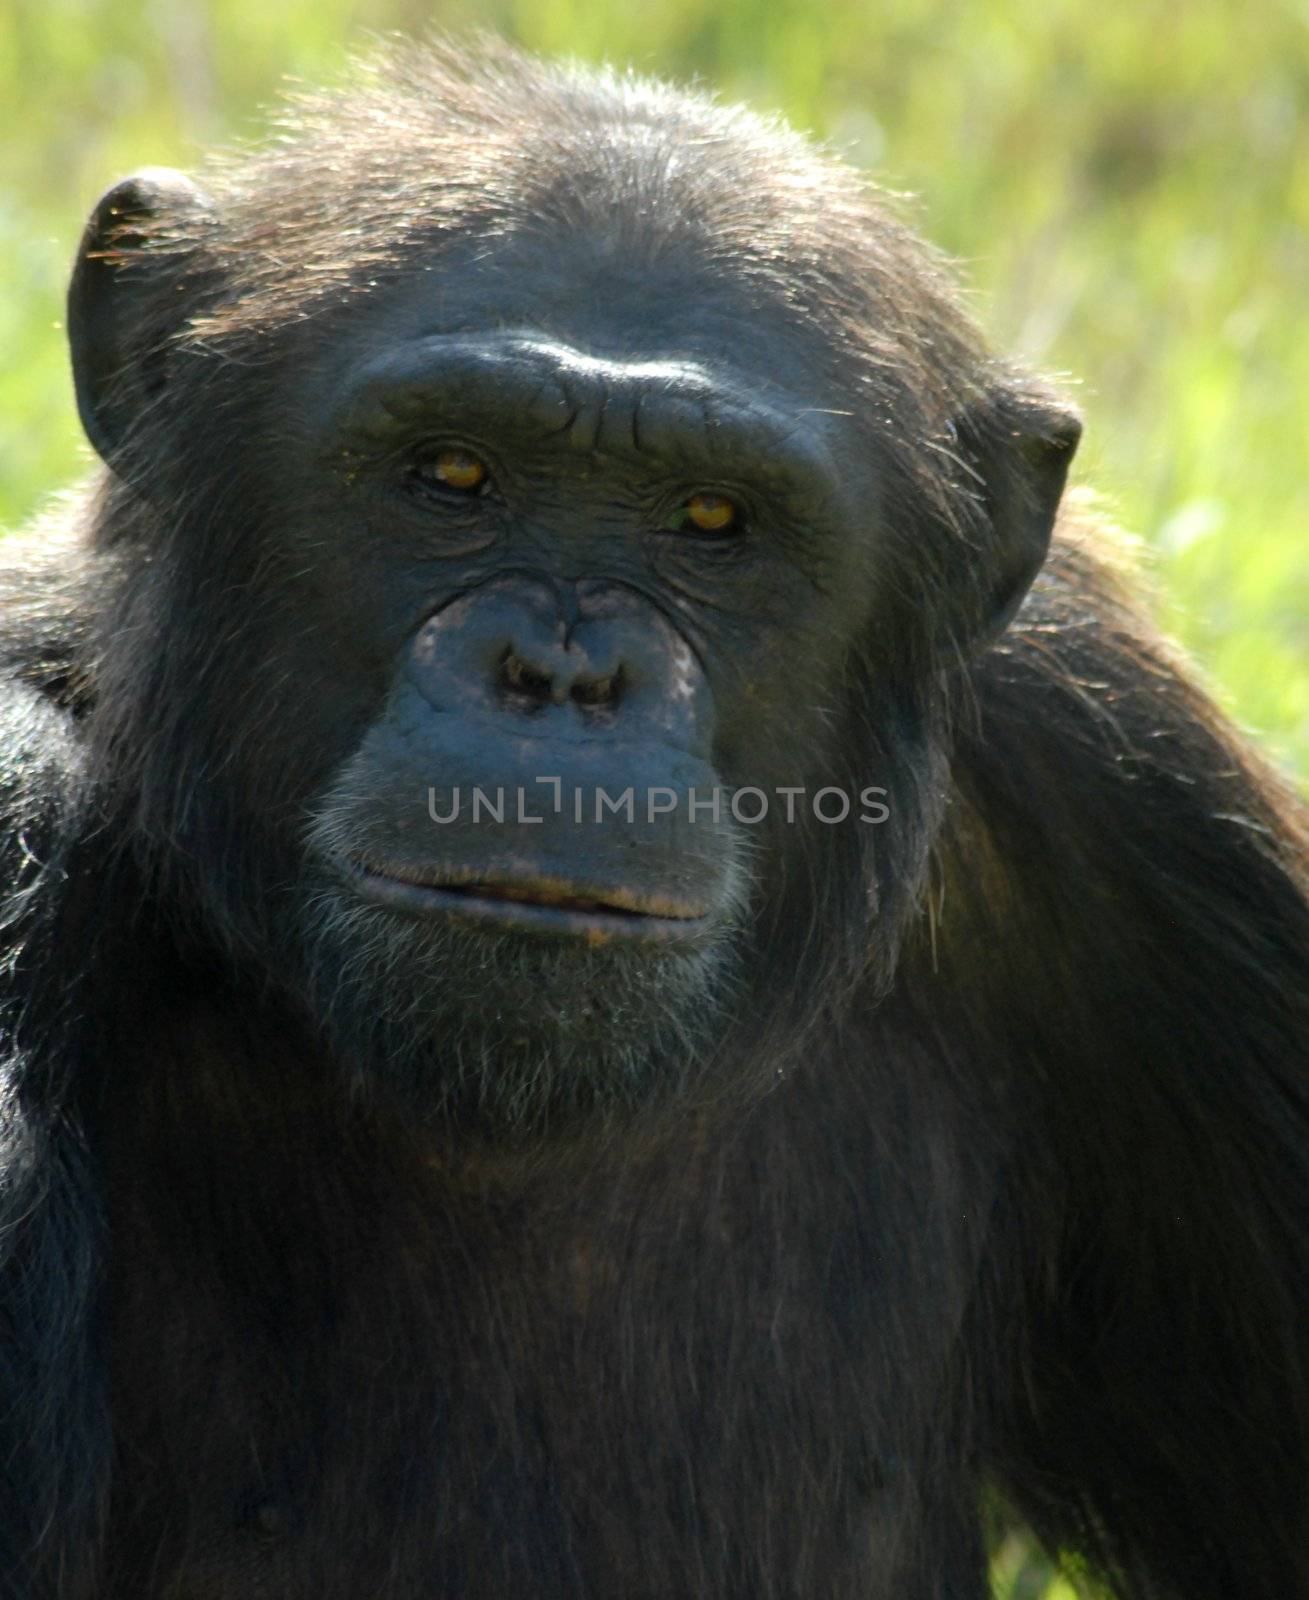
[[126, 298]]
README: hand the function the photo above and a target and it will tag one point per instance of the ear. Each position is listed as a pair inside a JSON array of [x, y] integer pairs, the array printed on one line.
[[126, 298], [1019, 444]]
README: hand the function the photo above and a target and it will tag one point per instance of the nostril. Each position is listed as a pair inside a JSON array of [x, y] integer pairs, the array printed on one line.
[[519, 678], [532, 681], [594, 692]]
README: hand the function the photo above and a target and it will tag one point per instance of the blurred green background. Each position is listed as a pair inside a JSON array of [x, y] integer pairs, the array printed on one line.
[[1126, 186]]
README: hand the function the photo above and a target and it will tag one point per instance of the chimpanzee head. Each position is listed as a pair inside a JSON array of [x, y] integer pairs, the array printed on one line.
[[554, 517]]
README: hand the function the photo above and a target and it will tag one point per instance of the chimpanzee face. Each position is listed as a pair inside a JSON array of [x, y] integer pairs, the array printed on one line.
[[565, 611]]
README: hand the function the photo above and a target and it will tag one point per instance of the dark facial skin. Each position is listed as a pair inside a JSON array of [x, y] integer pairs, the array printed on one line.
[[562, 620]]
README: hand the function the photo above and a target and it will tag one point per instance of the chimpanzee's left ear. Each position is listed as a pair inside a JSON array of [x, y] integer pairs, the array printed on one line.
[[1019, 443], [127, 297]]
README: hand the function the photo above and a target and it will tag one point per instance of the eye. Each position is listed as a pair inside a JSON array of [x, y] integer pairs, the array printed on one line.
[[455, 469], [707, 513]]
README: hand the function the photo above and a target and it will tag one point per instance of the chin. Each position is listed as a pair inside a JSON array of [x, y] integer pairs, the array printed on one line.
[[491, 1026]]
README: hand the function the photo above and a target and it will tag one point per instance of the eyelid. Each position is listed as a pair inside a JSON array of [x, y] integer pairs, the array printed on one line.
[[428, 447], [743, 504]]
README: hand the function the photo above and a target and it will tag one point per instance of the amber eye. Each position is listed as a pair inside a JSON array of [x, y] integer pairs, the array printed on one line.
[[456, 469], [710, 513]]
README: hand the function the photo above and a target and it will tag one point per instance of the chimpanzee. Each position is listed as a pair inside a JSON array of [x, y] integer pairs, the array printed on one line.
[[617, 977]]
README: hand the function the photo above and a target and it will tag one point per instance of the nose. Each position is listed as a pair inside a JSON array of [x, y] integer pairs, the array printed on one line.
[[602, 660]]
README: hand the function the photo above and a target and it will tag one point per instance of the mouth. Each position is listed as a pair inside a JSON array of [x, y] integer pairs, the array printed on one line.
[[531, 904]]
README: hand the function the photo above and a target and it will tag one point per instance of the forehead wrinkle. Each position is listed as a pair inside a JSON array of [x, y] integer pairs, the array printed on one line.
[[670, 407], [670, 403]]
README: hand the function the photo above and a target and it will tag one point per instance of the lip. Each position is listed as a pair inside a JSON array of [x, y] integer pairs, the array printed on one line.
[[530, 904]]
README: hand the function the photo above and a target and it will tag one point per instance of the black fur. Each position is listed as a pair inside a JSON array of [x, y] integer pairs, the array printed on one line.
[[974, 1156]]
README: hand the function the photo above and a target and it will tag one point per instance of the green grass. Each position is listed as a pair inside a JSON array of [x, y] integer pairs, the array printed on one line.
[[1126, 186]]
